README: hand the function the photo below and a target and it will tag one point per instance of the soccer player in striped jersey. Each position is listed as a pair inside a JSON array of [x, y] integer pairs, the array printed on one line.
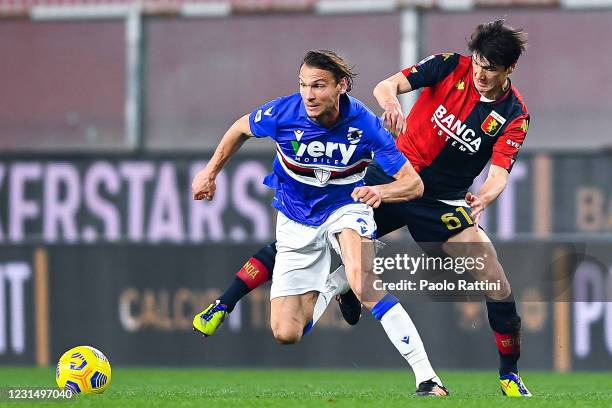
[[325, 140], [468, 114]]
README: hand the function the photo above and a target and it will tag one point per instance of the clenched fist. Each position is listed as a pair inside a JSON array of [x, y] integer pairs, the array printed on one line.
[[368, 195], [203, 185]]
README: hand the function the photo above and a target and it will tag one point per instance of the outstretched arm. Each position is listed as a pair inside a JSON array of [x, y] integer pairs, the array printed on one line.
[[203, 185]]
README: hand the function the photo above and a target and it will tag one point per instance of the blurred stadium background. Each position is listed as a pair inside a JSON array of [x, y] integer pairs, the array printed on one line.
[[108, 107]]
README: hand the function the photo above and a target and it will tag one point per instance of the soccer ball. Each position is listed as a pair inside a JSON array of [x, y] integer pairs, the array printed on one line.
[[82, 370]]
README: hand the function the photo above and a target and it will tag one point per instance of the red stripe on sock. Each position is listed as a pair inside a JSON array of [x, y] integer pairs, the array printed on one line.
[[253, 273], [509, 343]]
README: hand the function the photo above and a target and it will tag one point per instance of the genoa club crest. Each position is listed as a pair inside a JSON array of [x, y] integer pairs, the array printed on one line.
[[492, 123]]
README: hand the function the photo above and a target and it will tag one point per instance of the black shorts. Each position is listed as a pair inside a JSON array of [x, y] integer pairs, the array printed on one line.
[[427, 219]]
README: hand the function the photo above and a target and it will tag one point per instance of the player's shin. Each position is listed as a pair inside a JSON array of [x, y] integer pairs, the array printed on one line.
[[395, 321], [403, 334], [506, 325]]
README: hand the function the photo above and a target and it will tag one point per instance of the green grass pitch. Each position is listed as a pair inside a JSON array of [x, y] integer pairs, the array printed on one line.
[[190, 387]]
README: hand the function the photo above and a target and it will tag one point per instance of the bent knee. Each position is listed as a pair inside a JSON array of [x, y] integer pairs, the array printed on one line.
[[284, 335]]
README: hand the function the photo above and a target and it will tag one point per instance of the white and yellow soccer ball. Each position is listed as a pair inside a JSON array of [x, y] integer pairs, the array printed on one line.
[[82, 370]]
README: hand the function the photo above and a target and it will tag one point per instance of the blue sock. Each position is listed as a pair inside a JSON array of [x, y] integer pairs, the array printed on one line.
[[307, 328], [383, 305]]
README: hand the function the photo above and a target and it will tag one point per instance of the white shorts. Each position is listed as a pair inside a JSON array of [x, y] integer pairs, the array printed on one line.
[[303, 256]]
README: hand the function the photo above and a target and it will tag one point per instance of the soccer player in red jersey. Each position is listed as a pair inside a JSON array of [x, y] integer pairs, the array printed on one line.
[[468, 114]]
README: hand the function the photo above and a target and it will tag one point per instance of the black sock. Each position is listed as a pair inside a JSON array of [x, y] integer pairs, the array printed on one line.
[[236, 291], [506, 325]]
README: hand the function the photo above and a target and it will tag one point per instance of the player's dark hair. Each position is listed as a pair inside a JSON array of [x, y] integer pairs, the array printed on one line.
[[500, 44], [332, 62]]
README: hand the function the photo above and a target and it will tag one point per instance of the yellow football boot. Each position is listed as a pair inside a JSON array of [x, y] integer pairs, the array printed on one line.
[[209, 319], [512, 386]]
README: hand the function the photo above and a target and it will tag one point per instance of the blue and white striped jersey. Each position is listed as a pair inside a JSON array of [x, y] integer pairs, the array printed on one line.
[[316, 168]]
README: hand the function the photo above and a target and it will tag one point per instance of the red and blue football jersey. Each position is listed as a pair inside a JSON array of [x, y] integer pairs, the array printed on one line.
[[451, 133]]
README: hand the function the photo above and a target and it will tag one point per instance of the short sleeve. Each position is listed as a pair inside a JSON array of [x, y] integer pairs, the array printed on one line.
[[507, 146], [431, 70], [386, 154], [263, 120]]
